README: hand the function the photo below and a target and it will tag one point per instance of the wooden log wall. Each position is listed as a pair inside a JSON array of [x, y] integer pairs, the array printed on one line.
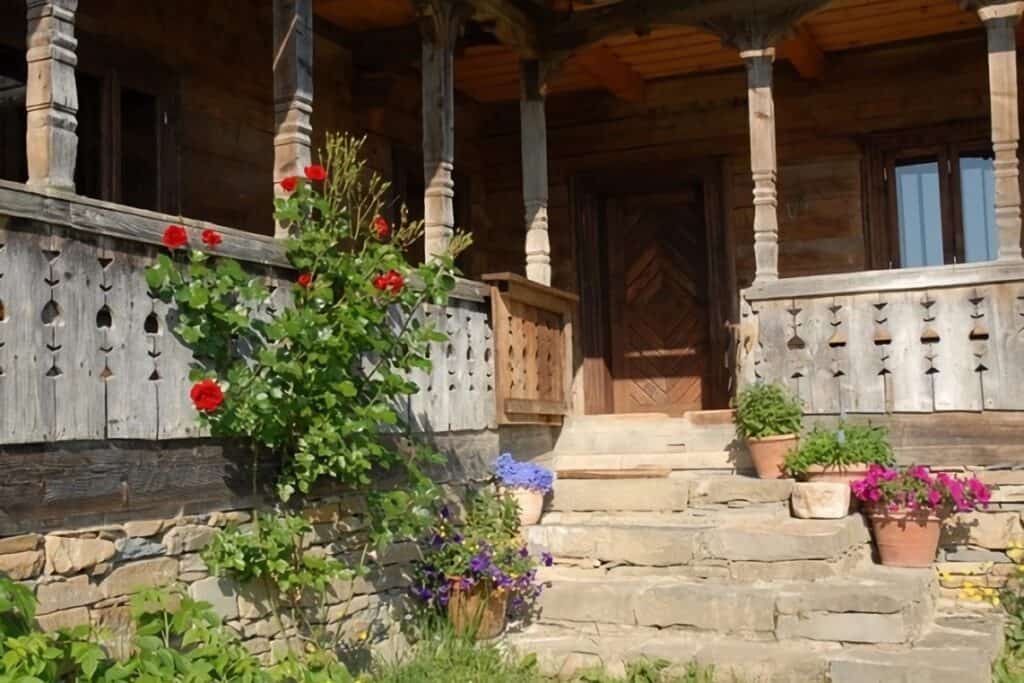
[[86, 353]]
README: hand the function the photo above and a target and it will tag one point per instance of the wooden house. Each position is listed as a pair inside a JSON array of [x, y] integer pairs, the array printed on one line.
[[669, 199]]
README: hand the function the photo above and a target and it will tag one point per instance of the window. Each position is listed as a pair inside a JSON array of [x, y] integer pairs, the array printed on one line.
[[13, 164], [932, 199]]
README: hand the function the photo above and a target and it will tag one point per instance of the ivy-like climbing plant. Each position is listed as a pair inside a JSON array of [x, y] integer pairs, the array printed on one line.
[[314, 379]]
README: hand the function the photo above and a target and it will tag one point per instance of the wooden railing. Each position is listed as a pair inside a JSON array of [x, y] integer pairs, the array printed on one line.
[[86, 353], [533, 350], [902, 341]]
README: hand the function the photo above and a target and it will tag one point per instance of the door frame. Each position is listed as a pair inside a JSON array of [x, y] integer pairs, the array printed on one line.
[[593, 386]]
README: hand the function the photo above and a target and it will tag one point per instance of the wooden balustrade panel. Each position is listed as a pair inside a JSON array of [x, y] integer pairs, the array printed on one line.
[[86, 353], [533, 350], [947, 349]]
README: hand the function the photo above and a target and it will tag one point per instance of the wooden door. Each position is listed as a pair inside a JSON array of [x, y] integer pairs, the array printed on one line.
[[658, 283]]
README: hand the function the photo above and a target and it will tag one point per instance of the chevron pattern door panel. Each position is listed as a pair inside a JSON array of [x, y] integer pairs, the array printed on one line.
[[659, 321]]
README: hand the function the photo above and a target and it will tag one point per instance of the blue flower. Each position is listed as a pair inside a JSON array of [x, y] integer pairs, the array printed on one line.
[[547, 559], [526, 475]]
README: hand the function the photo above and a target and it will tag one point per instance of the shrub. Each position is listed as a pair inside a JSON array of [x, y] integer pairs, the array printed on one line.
[[767, 410], [839, 448]]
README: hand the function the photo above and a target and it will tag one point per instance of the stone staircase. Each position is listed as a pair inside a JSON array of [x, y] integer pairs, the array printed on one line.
[[706, 564]]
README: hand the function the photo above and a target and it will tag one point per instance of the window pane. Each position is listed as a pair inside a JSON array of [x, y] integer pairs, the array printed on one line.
[[920, 214], [977, 188]]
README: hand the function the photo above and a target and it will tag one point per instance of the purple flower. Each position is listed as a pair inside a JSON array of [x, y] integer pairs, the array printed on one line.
[[525, 475], [523, 552], [479, 562], [546, 558], [445, 512]]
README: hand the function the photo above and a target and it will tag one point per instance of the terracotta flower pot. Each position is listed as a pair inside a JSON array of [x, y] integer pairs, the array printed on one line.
[[531, 504], [479, 612], [769, 454], [906, 538], [844, 475]]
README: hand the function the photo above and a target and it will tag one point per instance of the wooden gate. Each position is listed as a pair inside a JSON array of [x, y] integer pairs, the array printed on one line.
[[532, 348]]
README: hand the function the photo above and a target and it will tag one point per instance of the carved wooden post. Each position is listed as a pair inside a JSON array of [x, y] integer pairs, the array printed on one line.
[[534, 139], [440, 30], [51, 98], [293, 90], [763, 161], [1001, 24]]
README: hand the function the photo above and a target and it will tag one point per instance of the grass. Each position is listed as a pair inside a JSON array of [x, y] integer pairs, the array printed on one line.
[[446, 658]]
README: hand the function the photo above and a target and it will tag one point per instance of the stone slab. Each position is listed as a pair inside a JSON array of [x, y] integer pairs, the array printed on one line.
[[655, 546], [583, 495], [850, 627], [721, 490]]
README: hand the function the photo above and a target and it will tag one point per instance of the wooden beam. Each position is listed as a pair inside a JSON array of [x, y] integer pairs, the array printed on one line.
[[615, 75], [440, 27], [763, 162], [801, 50], [51, 98], [534, 145], [515, 24], [584, 28], [293, 91], [1001, 24]]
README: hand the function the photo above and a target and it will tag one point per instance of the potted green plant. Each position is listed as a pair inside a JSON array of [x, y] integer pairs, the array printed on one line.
[[840, 455], [476, 572], [769, 418], [527, 483], [907, 507]]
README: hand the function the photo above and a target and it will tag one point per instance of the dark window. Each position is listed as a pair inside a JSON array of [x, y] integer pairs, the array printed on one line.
[[933, 200], [13, 165], [140, 149], [89, 173]]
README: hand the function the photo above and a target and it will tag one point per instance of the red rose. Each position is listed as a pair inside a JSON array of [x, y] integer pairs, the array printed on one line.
[[391, 281], [382, 227], [305, 280], [212, 238], [315, 172], [290, 183], [175, 237], [206, 395]]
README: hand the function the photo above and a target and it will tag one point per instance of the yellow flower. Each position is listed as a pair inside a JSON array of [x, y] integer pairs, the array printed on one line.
[[968, 585], [363, 635], [1016, 554], [995, 602]]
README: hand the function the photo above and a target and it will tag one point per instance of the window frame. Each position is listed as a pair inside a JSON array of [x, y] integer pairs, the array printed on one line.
[[945, 144]]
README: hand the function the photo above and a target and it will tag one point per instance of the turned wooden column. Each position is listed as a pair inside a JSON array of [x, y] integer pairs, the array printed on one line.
[[440, 28], [763, 162], [1001, 25], [293, 91], [534, 139], [51, 98]]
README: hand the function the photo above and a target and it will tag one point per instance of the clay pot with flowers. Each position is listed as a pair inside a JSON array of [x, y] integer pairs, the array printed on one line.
[[480, 571], [527, 483], [769, 418], [907, 507]]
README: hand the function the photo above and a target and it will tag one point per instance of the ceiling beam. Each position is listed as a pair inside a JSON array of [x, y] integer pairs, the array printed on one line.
[[803, 53], [516, 24], [769, 17], [615, 75]]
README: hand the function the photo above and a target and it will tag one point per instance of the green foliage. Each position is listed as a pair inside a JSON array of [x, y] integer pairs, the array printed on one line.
[[446, 657], [767, 410], [653, 671], [844, 446], [271, 551], [314, 381]]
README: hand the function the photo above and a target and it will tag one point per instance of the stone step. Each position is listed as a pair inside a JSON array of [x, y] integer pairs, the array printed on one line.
[[623, 434], [667, 494], [679, 460], [882, 605], [563, 651], [696, 536]]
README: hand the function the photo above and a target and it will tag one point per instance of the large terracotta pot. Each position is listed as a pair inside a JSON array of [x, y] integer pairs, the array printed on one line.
[[769, 454], [479, 612], [531, 504], [838, 475], [905, 538]]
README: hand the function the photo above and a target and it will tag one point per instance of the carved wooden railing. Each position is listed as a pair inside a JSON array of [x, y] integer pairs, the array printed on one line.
[[86, 353], [907, 341], [533, 350]]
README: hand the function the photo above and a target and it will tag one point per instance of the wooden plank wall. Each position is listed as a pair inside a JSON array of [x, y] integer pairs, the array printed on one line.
[[821, 125], [86, 353]]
